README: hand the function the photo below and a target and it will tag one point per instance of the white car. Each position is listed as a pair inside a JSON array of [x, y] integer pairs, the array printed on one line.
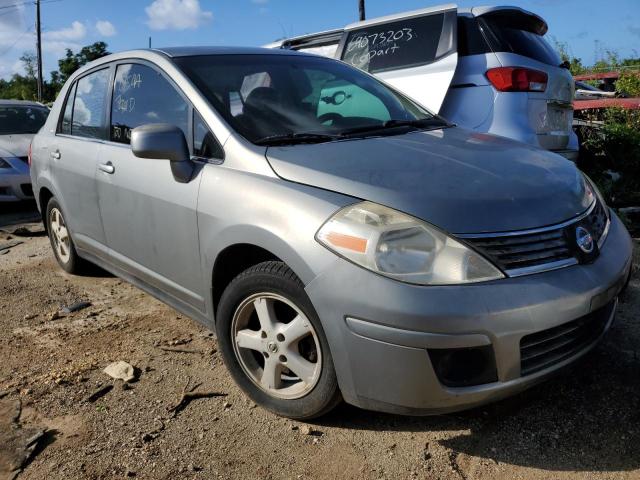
[[488, 69], [19, 122], [584, 91]]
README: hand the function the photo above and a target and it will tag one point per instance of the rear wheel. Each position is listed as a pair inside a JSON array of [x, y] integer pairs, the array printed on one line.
[[274, 345], [60, 238]]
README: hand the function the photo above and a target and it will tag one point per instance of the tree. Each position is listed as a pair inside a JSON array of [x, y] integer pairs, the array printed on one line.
[[72, 62], [24, 87], [575, 63], [29, 63]]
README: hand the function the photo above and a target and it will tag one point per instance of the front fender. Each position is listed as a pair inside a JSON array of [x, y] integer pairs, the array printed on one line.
[[282, 217]]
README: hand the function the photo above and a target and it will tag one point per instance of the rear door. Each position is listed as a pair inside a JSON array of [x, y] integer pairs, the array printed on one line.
[[517, 38], [416, 52], [73, 156]]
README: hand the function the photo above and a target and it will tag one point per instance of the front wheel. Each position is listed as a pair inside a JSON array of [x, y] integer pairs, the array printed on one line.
[[273, 343]]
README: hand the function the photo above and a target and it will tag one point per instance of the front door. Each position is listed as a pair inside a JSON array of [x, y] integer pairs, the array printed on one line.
[[149, 218]]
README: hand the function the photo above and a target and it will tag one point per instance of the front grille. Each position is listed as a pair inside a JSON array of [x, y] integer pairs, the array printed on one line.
[[27, 189], [518, 253], [543, 349], [521, 251]]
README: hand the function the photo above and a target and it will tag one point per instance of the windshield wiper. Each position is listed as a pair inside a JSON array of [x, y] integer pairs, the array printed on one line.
[[295, 138], [390, 124]]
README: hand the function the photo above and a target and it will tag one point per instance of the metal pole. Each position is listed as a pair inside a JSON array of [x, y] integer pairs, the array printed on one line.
[[149, 42], [361, 9], [39, 50]]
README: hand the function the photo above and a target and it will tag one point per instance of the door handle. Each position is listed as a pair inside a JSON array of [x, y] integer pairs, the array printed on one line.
[[56, 155], [107, 167]]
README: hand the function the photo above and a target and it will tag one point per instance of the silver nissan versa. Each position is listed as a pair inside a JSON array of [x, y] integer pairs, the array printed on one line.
[[342, 241]]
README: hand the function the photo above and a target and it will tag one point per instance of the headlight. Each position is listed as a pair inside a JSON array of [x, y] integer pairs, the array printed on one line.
[[594, 192], [402, 247], [4, 163]]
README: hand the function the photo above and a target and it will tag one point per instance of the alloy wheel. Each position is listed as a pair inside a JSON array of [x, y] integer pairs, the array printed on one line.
[[276, 345], [60, 235]]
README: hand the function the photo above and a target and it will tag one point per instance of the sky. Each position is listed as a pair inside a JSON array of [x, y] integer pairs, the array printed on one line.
[[589, 27]]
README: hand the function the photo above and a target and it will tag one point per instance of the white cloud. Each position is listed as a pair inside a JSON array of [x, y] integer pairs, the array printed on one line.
[[176, 15], [105, 28], [77, 31]]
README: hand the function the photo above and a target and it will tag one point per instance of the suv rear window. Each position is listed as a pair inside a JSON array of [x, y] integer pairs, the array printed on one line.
[[514, 34], [402, 44]]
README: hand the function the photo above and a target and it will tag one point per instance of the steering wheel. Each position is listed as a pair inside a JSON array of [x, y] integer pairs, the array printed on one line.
[[329, 117]]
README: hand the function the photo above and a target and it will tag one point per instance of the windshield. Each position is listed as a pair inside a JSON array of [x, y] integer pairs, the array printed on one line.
[[586, 86], [21, 119], [309, 98]]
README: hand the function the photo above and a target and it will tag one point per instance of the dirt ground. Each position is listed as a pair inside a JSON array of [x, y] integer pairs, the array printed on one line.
[[584, 423]]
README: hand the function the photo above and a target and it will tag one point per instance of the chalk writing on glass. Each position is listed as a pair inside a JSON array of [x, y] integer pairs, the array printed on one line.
[[128, 81], [363, 47], [124, 104]]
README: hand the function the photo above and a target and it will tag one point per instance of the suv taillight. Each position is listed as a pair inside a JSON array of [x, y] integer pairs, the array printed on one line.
[[29, 155], [517, 79]]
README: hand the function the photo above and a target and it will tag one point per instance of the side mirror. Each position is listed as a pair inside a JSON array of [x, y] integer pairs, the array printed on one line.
[[164, 142]]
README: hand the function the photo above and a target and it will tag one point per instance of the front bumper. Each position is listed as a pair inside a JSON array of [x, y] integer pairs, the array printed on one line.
[[15, 186], [379, 330]]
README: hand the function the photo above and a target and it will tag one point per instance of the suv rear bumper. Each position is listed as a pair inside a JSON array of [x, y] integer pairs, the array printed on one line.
[[382, 333]]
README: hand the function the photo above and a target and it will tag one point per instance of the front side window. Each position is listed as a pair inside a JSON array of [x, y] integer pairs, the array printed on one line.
[[20, 119], [90, 104], [262, 96], [205, 144], [141, 95], [402, 44]]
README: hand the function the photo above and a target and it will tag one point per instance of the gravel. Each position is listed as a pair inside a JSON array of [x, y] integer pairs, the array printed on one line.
[[584, 423]]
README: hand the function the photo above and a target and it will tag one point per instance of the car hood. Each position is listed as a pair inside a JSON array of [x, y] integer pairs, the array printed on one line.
[[16, 145], [461, 181]]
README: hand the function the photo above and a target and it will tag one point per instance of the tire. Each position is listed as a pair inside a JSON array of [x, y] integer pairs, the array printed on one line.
[[61, 241], [263, 350]]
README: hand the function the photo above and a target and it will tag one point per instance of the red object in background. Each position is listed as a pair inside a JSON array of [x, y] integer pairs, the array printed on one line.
[[517, 79], [626, 103], [597, 76]]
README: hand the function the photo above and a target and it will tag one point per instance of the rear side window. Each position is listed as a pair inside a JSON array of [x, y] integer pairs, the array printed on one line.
[[322, 50], [141, 95], [89, 105], [67, 118], [514, 34], [402, 44]]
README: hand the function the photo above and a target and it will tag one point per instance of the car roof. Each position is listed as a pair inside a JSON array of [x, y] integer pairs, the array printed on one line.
[[23, 103], [194, 51]]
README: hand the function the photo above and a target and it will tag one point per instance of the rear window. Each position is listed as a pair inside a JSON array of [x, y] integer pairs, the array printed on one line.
[[402, 44], [512, 34], [21, 119]]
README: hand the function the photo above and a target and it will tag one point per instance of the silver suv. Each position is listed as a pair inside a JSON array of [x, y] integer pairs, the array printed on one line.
[[485, 68], [365, 250]]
